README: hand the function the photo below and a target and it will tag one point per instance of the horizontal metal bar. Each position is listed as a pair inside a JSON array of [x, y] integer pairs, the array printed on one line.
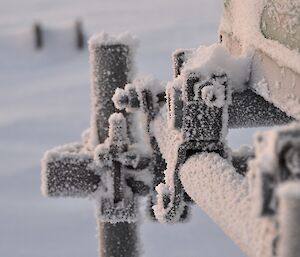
[[249, 109], [225, 196], [68, 174]]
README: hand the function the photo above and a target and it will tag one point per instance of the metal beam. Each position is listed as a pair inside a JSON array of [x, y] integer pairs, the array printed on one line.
[[69, 176], [249, 109]]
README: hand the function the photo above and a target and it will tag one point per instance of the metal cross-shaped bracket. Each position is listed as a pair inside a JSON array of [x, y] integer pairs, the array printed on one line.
[[119, 166], [71, 170]]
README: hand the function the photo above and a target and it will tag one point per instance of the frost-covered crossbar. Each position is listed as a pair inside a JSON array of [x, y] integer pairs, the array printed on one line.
[[68, 171], [248, 109]]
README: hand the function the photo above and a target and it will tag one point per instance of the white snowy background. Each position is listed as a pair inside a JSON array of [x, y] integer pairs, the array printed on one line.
[[45, 102]]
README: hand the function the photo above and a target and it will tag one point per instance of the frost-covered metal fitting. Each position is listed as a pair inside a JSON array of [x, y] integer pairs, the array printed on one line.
[[277, 161], [126, 98], [119, 172], [204, 120]]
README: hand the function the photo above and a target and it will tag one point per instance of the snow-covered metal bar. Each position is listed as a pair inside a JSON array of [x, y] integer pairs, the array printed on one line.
[[259, 211], [67, 172], [249, 109], [225, 196]]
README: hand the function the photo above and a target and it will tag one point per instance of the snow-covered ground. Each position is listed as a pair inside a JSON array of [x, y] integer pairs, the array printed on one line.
[[44, 102]]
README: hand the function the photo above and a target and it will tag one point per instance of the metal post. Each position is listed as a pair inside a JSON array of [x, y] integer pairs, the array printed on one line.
[[119, 239], [110, 64], [79, 35], [109, 68], [38, 36]]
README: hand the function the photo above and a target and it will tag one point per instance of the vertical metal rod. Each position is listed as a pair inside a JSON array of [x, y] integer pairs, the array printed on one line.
[[110, 64], [119, 239]]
